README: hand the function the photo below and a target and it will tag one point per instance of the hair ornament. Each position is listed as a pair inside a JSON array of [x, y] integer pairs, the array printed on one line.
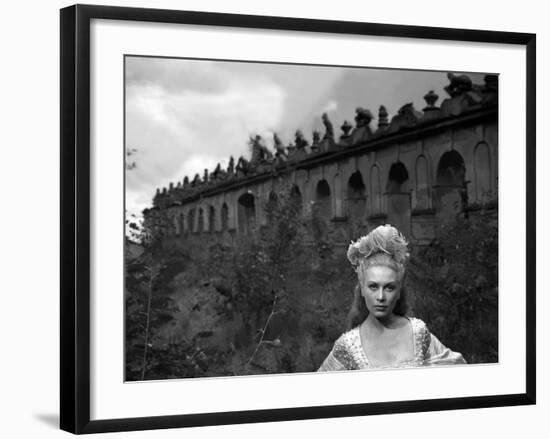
[[384, 239]]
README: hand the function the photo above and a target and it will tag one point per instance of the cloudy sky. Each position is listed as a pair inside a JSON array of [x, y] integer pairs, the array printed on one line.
[[183, 115]]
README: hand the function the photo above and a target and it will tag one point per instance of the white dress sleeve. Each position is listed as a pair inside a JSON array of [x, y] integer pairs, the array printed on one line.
[[331, 364], [341, 357], [438, 354]]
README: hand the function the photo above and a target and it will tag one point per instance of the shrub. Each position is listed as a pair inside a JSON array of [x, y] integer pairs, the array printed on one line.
[[455, 287]]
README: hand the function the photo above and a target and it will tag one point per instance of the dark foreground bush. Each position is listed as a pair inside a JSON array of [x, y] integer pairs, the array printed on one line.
[[455, 288], [274, 302]]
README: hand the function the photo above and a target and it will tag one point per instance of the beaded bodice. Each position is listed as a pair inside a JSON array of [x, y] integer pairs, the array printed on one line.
[[349, 351]]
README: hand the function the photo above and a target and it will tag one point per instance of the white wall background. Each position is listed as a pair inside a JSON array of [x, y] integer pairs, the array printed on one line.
[[29, 170]]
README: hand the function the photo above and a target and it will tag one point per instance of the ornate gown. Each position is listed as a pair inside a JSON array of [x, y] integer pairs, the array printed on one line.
[[348, 353]]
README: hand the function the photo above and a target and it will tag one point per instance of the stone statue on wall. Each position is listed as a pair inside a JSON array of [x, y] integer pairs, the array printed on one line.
[[231, 166], [260, 153], [407, 116], [346, 128], [362, 117], [279, 147], [329, 130], [300, 140], [316, 137], [383, 121], [431, 98], [458, 84], [243, 167], [218, 174]]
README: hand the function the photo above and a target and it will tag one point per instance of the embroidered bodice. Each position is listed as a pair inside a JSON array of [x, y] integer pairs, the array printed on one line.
[[348, 353]]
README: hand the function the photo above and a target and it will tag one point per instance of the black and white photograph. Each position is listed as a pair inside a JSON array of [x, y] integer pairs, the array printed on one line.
[[293, 218], [272, 220]]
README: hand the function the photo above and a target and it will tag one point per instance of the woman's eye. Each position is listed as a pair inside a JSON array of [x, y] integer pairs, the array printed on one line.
[[390, 288], [372, 286]]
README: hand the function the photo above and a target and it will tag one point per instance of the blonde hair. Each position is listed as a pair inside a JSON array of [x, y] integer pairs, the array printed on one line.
[[385, 246]]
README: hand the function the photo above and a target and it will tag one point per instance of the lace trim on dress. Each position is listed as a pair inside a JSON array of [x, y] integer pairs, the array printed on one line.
[[344, 351], [349, 350]]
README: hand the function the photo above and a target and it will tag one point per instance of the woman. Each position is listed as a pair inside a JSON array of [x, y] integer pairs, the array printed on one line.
[[380, 334]]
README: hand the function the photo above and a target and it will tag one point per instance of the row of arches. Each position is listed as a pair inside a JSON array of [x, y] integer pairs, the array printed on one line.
[[209, 219], [362, 195], [408, 192], [450, 173], [200, 219]]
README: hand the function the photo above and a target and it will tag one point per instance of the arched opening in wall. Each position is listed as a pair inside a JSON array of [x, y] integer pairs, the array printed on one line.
[[322, 210], [375, 190], [296, 197], [175, 221], [422, 188], [201, 220], [356, 199], [181, 220], [271, 205], [397, 177], [211, 219], [246, 214], [398, 198], [191, 221], [482, 173], [338, 195], [450, 189], [225, 217], [451, 170], [323, 207]]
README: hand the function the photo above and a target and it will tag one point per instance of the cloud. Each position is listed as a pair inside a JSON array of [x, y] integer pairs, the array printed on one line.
[[178, 133], [331, 105], [185, 115], [174, 75]]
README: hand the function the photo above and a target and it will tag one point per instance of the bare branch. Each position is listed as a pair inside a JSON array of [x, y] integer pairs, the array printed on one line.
[[262, 331]]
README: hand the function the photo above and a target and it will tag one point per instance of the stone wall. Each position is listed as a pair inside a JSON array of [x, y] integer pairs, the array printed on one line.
[[415, 171]]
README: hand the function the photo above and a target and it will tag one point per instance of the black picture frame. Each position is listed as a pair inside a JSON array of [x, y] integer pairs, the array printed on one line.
[[75, 217]]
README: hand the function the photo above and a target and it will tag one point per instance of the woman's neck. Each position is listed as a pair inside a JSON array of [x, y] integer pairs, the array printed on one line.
[[390, 322]]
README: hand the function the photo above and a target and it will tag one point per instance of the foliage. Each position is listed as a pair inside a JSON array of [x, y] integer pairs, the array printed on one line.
[[250, 275], [149, 308], [459, 269], [256, 269], [134, 228], [130, 165], [319, 231], [213, 304]]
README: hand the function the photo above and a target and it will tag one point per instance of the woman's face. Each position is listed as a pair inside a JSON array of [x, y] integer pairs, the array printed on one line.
[[381, 289]]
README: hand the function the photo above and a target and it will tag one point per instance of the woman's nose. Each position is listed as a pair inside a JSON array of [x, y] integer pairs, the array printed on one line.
[[380, 295]]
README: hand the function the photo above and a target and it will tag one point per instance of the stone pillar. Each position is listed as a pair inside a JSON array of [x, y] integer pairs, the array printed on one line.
[[232, 207], [337, 197], [206, 219]]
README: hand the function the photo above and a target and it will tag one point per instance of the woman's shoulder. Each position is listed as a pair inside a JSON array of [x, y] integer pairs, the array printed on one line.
[[418, 324], [422, 336], [345, 348], [348, 338], [343, 353]]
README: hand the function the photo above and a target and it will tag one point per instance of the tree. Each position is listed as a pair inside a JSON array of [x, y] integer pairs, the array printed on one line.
[[455, 281], [150, 307]]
